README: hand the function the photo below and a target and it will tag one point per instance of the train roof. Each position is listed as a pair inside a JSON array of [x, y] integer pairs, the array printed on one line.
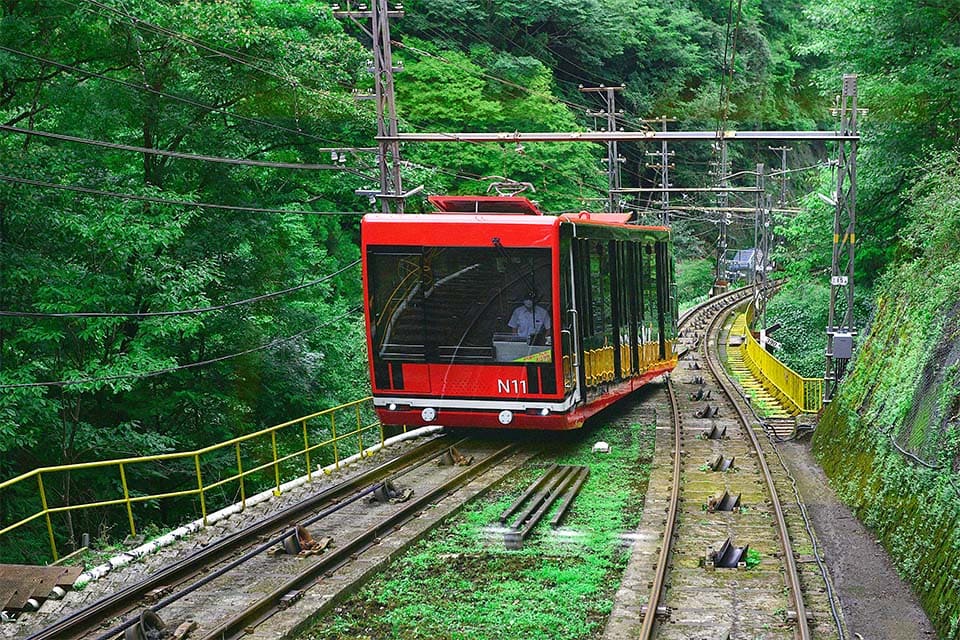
[[510, 210]]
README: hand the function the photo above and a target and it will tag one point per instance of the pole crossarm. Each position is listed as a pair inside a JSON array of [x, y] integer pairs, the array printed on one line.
[[689, 190], [616, 136]]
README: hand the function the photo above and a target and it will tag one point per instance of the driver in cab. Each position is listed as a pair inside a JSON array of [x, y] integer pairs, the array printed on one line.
[[530, 321]]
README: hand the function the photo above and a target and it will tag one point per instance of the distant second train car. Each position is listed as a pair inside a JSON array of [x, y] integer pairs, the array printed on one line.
[[489, 313]]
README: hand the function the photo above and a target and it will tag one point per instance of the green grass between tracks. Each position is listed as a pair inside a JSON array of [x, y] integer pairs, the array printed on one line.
[[461, 583]]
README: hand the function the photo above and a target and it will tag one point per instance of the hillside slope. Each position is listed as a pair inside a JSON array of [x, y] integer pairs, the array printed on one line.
[[890, 441]]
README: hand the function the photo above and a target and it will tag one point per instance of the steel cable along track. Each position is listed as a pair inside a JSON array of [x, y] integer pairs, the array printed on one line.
[[726, 303], [80, 623]]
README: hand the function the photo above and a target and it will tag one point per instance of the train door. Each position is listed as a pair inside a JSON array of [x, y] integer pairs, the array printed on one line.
[[570, 335], [663, 296], [593, 278]]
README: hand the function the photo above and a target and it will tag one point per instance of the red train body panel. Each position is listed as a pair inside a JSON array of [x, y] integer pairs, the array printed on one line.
[[490, 314]]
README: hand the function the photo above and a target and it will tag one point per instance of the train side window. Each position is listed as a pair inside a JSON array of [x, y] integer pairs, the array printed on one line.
[[648, 295], [601, 325], [396, 303]]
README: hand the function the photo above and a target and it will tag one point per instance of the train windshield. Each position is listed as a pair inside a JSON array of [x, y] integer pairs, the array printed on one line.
[[460, 304]]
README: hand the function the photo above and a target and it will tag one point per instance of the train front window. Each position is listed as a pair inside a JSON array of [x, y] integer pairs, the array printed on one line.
[[460, 304]]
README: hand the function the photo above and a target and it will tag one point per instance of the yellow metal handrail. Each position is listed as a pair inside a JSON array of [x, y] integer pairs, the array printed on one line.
[[321, 426], [805, 394], [598, 363]]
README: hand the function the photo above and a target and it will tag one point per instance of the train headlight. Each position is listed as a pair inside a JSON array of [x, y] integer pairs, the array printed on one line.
[[505, 417], [544, 411], [392, 406], [429, 414]]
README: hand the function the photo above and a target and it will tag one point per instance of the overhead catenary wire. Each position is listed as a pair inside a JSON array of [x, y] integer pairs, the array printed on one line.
[[213, 109], [441, 36], [191, 102], [180, 312], [191, 365], [177, 154], [179, 203]]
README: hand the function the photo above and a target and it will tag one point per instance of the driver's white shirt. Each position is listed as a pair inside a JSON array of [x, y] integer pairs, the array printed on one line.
[[528, 322]]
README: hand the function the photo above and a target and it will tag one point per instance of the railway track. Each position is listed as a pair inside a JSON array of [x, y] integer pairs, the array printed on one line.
[[234, 584], [722, 504]]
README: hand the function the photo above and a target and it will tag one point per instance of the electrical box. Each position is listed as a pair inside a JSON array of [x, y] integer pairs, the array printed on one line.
[[843, 345]]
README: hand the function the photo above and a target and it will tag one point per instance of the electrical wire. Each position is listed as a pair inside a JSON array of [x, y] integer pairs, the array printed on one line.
[[233, 56], [186, 156], [180, 203], [345, 148], [191, 365], [441, 36], [191, 102], [181, 312]]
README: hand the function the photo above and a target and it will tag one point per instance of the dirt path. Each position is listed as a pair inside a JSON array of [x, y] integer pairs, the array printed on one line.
[[877, 604]]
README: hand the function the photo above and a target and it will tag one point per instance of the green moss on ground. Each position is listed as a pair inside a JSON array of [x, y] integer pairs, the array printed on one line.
[[461, 583]]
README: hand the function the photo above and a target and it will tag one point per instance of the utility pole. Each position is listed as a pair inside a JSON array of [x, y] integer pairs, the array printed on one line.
[[613, 157], [663, 168], [762, 253], [390, 195], [720, 283], [840, 336], [783, 172], [755, 265]]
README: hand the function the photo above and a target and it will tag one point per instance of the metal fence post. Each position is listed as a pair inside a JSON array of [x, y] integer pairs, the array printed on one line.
[[126, 498], [203, 502], [359, 432], [306, 450], [46, 513], [333, 431], [276, 465], [243, 490]]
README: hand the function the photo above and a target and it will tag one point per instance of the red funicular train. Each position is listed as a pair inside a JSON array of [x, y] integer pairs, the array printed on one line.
[[490, 314]]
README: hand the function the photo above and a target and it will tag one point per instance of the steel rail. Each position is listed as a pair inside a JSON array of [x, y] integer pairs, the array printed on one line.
[[82, 622], [239, 625], [658, 584], [790, 564], [666, 546]]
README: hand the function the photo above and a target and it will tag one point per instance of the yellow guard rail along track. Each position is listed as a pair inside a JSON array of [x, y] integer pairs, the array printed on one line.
[[341, 429]]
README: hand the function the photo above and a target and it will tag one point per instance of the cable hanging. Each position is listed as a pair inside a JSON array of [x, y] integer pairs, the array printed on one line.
[[176, 154], [192, 365], [179, 203], [209, 107], [182, 312]]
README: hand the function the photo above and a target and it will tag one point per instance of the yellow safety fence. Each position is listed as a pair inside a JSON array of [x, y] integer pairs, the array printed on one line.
[[805, 394], [341, 431]]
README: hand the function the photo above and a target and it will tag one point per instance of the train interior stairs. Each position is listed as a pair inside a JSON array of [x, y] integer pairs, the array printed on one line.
[[778, 415]]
